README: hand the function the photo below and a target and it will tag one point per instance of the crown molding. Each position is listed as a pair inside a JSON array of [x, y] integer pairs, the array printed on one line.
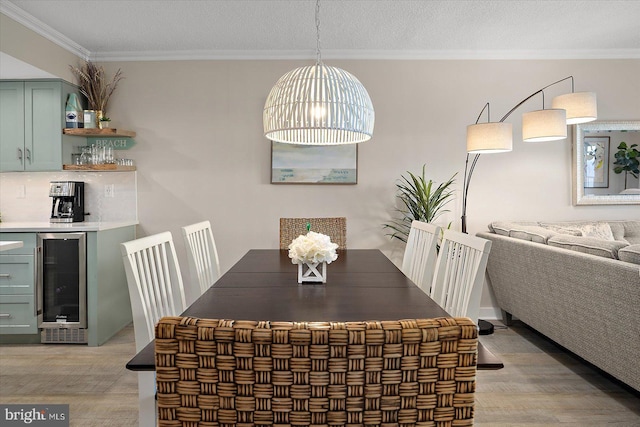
[[39, 27], [187, 55]]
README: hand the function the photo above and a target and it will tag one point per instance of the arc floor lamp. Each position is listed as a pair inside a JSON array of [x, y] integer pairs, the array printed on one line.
[[537, 126]]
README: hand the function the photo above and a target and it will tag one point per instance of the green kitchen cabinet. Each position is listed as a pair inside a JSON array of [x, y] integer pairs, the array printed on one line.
[[31, 123], [107, 294], [17, 287]]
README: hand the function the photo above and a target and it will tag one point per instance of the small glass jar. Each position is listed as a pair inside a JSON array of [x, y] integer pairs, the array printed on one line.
[[86, 157]]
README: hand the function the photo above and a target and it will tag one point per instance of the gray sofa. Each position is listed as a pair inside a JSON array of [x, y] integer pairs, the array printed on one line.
[[577, 283]]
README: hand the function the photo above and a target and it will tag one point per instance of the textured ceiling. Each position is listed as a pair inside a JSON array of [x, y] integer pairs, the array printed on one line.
[[156, 29]]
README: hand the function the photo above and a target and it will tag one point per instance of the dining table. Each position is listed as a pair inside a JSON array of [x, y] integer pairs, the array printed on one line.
[[361, 284]]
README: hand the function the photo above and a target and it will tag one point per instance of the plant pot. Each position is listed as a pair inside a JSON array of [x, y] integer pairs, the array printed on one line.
[[312, 272], [104, 125]]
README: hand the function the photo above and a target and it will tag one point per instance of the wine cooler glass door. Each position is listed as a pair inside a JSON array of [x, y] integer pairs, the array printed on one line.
[[63, 280]]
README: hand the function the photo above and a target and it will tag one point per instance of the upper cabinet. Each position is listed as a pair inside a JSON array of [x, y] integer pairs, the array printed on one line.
[[31, 123]]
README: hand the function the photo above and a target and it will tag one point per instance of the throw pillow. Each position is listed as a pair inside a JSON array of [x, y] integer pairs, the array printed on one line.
[[563, 229], [598, 230]]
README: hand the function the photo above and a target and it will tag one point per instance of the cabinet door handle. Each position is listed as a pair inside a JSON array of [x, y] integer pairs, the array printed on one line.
[[28, 152], [20, 154], [5, 276], [5, 316]]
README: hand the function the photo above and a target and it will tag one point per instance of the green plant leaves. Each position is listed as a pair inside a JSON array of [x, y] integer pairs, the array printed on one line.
[[420, 200]]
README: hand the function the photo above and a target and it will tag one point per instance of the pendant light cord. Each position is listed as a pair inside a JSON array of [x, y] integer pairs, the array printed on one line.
[[318, 56]]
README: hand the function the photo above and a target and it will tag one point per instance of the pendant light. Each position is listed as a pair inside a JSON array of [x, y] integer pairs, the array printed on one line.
[[318, 105]]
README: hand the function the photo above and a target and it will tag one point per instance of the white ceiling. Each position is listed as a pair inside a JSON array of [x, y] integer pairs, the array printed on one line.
[[191, 29]]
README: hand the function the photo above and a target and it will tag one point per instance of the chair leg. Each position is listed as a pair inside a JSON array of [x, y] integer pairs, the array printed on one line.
[[147, 415]]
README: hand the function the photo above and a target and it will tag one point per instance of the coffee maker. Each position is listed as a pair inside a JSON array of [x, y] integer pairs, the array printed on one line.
[[68, 201]]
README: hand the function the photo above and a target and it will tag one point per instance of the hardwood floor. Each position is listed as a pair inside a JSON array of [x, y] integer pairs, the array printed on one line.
[[541, 385]]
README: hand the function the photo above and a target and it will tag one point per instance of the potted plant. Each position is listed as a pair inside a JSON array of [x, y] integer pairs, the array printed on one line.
[[420, 201], [95, 85], [104, 122], [627, 161]]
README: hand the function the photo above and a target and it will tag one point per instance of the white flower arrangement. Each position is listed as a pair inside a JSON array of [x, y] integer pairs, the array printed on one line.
[[312, 248]]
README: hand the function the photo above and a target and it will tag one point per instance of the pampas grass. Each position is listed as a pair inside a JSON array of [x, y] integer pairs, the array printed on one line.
[[94, 85]]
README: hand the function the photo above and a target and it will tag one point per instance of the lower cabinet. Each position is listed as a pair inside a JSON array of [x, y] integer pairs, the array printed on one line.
[[108, 308], [17, 287]]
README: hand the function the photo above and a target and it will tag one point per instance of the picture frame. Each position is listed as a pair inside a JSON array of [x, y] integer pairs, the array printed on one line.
[[314, 164], [596, 161]]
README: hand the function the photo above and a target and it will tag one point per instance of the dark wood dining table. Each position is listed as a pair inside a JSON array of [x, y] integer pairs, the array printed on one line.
[[362, 284]]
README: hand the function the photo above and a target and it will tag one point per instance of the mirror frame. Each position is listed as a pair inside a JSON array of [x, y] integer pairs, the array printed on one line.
[[579, 197]]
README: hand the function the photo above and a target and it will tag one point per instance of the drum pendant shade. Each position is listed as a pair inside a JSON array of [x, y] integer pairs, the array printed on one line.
[[489, 137], [581, 106], [318, 105], [544, 125]]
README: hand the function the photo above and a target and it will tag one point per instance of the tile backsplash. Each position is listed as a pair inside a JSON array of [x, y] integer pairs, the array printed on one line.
[[24, 196]]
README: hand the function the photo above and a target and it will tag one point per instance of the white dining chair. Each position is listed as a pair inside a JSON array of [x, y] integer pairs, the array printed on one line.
[[420, 254], [204, 265], [156, 290], [459, 274]]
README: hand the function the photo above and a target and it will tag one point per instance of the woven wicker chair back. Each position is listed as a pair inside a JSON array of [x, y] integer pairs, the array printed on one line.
[[223, 373], [420, 254], [335, 228], [202, 255], [154, 281], [459, 275]]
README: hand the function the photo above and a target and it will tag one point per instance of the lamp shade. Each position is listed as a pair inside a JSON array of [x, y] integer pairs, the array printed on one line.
[[318, 105], [489, 137], [581, 106], [544, 125]]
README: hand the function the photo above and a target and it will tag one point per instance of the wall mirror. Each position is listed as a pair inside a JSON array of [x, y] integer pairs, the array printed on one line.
[[595, 181]]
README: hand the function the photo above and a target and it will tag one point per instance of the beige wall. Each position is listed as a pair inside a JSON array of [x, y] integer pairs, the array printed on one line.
[[201, 154]]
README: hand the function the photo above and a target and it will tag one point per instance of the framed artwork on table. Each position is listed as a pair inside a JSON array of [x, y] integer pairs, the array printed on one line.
[[314, 164], [596, 161]]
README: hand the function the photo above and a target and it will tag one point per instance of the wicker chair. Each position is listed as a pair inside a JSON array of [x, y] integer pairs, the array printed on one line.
[[335, 228], [415, 372]]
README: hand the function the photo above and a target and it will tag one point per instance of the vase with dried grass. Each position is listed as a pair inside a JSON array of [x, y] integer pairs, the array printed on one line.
[[96, 87]]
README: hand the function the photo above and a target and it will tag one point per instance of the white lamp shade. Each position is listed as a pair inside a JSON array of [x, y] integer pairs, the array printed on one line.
[[544, 125], [489, 137], [318, 105], [581, 106]]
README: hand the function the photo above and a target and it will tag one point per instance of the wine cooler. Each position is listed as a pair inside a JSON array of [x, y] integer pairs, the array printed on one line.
[[62, 287]]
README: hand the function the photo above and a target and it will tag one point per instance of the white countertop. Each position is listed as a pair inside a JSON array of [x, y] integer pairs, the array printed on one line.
[[28, 227], [8, 245]]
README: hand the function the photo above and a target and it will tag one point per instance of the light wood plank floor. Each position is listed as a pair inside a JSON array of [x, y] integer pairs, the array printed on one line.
[[540, 385]]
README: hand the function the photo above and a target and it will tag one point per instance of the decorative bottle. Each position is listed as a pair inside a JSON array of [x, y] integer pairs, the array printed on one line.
[[73, 112]]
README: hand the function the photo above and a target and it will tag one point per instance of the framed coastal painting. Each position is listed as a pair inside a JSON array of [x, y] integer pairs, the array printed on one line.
[[314, 164], [596, 161]]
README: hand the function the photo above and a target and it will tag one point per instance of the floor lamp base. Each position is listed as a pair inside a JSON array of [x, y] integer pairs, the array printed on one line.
[[485, 328]]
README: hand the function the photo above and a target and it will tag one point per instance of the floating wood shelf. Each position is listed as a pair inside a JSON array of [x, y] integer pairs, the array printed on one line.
[[99, 132], [99, 168]]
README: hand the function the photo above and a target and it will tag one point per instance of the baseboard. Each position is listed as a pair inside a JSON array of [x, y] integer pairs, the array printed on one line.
[[490, 313]]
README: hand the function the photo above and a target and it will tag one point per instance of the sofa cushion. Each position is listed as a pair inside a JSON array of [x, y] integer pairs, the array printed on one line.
[[632, 232], [617, 228], [630, 254], [532, 233], [588, 245], [504, 227]]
